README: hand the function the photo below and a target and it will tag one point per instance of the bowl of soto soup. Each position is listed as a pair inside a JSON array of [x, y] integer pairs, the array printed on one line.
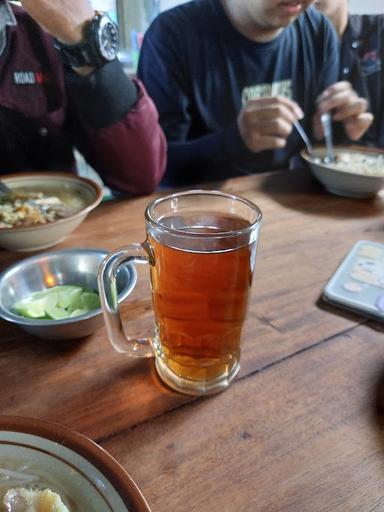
[[356, 172], [46, 466], [42, 208]]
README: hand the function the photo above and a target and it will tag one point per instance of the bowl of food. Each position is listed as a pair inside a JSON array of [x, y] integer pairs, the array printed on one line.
[[356, 172], [42, 208], [54, 295], [45, 466]]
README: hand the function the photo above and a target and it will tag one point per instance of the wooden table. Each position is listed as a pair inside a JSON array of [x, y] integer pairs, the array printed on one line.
[[301, 429]]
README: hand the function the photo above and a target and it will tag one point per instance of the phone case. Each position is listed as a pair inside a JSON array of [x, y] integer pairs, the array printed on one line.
[[358, 283]]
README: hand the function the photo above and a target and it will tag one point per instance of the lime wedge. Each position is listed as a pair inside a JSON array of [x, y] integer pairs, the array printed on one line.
[[91, 300], [31, 308], [55, 312], [87, 301], [68, 295], [78, 312], [77, 303], [58, 302]]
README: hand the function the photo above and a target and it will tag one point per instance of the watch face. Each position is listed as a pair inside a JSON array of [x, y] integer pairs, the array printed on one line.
[[108, 38]]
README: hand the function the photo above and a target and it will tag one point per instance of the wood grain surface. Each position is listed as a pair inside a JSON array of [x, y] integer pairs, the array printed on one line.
[[302, 435], [297, 431]]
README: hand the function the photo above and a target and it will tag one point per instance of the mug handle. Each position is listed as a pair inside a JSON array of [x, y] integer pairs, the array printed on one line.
[[109, 267]]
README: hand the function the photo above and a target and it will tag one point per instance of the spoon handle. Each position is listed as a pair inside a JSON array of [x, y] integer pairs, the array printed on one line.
[[304, 136], [326, 121], [4, 189]]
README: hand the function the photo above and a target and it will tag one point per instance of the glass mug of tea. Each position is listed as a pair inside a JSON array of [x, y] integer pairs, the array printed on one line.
[[201, 250]]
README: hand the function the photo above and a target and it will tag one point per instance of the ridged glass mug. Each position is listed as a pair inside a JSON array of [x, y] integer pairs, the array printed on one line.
[[201, 251]]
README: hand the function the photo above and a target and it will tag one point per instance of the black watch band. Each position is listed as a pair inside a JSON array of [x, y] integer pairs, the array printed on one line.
[[99, 46]]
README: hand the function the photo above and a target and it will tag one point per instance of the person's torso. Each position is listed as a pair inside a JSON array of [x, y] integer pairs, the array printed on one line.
[[361, 63], [222, 70], [33, 101]]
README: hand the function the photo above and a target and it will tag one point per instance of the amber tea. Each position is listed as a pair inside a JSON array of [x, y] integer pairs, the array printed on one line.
[[201, 249], [200, 300]]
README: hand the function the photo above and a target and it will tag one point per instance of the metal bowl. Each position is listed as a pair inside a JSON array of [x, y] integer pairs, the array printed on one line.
[[67, 266], [41, 236], [341, 179]]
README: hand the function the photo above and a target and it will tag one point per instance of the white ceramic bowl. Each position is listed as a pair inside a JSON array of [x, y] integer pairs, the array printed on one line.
[[86, 476], [42, 236], [344, 181], [66, 266]]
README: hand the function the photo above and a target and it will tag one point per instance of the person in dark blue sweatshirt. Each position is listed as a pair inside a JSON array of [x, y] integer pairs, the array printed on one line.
[[230, 77], [361, 59]]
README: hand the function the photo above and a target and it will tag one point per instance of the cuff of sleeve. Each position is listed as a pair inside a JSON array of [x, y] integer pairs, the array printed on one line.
[[234, 146], [104, 97]]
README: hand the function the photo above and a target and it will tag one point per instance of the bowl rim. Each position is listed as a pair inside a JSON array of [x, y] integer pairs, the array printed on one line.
[[97, 189], [36, 322], [113, 471]]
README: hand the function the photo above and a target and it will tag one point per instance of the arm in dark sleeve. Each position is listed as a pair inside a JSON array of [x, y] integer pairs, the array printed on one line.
[[328, 61], [329, 70], [362, 51], [162, 68], [212, 155], [115, 126]]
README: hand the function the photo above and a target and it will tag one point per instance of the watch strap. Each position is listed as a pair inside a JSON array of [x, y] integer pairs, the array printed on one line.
[[87, 51]]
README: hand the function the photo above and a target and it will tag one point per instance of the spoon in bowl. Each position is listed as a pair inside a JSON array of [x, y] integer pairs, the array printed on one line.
[[326, 121], [4, 189], [305, 138]]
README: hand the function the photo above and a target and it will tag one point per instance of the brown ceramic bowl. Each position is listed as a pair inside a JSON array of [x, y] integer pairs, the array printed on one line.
[[86, 476], [80, 194]]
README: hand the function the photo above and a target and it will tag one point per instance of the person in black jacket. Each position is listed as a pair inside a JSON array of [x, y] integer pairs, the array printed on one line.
[[50, 105], [361, 59]]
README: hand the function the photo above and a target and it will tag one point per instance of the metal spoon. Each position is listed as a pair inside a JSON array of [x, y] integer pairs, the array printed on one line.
[[305, 138], [4, 189], [326, 121]]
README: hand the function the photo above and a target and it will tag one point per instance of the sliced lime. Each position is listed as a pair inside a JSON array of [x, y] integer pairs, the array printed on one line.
[[58, 302], [68, 295], [91, 300], [31, 308], [77, 303], [78, 312], [46, 293], [55, 312]]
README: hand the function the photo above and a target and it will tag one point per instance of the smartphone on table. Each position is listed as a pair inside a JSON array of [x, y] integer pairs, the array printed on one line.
[[358, 283]]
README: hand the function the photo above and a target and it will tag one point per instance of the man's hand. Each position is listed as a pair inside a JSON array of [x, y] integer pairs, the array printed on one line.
[[346, 107], [63, 19], [266, 123]]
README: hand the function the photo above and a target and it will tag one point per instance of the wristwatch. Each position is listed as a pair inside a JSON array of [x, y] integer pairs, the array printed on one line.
[[100, 44]]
